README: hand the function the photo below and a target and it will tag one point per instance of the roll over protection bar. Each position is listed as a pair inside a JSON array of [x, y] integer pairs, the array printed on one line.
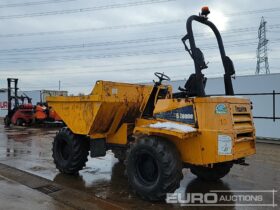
[[198, 58]]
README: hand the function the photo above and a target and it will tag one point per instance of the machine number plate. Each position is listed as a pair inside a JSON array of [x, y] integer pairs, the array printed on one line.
[[224, 145], [184, 114]]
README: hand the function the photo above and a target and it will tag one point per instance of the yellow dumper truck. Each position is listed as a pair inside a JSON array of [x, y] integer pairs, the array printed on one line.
[[157, 132]]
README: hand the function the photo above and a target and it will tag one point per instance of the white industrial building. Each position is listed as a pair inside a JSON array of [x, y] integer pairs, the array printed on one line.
[[263, 104], [35, 95]]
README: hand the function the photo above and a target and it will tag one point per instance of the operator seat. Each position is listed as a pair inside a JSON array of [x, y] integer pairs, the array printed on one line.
[[190, 86]]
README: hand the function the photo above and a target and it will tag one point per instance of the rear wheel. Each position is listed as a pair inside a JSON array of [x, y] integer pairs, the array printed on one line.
[[120, 154], [218, 171], [70, 151], [153, 167]]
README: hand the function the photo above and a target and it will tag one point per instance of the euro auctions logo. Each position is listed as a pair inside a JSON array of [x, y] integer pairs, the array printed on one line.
[[224, 198], [192, 198]]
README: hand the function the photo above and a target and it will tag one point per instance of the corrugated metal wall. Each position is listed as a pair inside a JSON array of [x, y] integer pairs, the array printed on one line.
[[3, 103]]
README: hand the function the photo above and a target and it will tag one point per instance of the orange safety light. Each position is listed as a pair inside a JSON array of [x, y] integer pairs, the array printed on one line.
[[205, 11]]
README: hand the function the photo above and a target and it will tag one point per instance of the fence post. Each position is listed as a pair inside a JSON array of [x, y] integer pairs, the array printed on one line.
[[273, 96]]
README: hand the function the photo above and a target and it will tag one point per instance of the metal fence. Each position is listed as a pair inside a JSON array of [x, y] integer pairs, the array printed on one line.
[[273, 95]]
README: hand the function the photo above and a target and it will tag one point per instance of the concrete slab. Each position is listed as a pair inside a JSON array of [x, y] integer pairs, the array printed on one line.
[[17, 196], [65, 195]]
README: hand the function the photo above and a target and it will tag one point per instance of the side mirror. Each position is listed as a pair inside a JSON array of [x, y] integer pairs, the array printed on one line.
[[229, 67]]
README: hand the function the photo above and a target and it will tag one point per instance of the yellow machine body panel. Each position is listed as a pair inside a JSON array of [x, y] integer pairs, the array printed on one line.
[[100, 113], [224, 128], [205, 130]]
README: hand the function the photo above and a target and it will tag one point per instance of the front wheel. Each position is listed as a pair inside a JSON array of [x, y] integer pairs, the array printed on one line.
[[7, 121], [70, 151], [218, 171], [153, 167]]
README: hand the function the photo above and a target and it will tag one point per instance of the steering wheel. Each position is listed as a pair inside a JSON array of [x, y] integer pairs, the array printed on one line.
[[162, 77]]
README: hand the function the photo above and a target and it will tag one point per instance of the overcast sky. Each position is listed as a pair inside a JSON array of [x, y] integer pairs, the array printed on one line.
[[81, 41]]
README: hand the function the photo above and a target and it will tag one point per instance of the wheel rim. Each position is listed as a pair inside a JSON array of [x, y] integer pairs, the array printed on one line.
[[147, 169], [19, 122]]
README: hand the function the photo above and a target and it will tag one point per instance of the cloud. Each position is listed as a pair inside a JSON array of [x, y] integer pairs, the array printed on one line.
[[78, 69]]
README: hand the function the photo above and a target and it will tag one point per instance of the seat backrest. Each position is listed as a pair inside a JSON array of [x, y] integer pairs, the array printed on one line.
[[190, 85]]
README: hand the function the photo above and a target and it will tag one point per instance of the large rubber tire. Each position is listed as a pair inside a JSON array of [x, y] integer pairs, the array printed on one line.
[[120, 154], [7, 121], [218, 171], [70, 151], [153, 167]]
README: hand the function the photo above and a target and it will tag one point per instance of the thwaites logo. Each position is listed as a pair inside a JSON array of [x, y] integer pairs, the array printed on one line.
[[184, 115], [240, 109]]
